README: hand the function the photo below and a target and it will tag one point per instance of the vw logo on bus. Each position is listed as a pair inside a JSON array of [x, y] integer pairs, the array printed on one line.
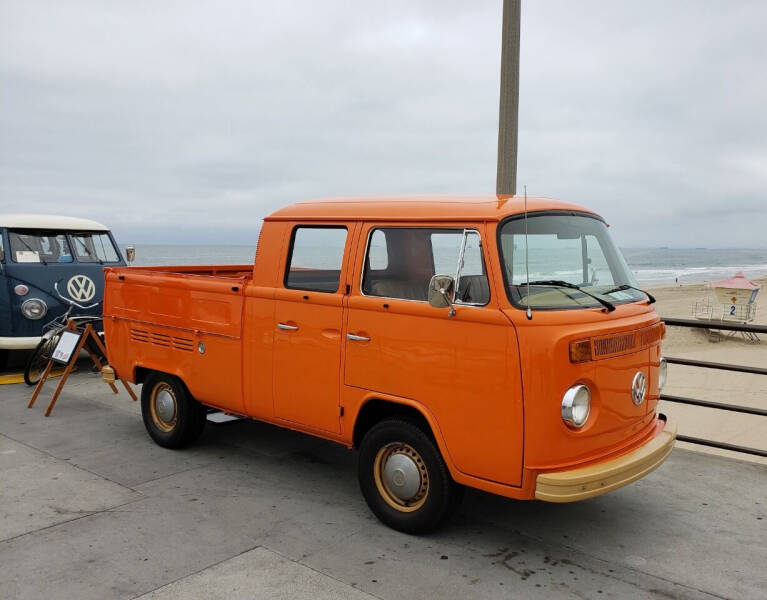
[[81, 288], [638, 388]]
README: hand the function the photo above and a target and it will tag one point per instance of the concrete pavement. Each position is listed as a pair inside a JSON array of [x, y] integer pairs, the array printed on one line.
[[91, 508]]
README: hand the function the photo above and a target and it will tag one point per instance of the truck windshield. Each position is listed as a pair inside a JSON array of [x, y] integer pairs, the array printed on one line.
[[565, 252]]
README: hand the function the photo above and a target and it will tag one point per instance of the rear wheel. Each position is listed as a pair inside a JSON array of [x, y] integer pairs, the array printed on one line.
[[404, 479], [172, 417], [36, 364]]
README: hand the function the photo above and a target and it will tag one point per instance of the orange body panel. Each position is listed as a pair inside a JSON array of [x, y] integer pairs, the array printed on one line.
[[488, 381]]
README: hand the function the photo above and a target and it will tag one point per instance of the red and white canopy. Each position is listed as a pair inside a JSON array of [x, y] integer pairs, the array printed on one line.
[[738, 282]]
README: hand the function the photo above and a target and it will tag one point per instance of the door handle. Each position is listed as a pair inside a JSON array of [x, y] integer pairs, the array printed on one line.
[[357, 338], [287, 327]]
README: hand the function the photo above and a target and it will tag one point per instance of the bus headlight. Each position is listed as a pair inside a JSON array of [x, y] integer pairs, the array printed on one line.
[[576, 405], [34, 309], [662, 373]]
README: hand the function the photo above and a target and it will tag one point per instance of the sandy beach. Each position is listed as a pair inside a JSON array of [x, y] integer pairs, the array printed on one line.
[[707, 384]]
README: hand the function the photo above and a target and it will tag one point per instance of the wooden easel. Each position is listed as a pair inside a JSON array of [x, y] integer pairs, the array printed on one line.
[[88, 333]]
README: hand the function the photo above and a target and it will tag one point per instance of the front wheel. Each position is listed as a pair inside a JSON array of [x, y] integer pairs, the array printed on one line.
[[404, 479], [172, 417], [36, 364]]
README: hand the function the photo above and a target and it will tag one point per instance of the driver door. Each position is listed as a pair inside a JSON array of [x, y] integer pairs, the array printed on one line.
[[464, 370]]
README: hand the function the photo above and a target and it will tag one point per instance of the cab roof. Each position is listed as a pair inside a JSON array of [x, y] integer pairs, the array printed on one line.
[[418, 208], [30, 221]]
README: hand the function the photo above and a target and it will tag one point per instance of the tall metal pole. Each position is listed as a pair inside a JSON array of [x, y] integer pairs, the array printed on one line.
[[506, 179]]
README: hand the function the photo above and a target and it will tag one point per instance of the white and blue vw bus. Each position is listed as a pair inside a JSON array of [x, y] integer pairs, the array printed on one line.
[[46, 263]]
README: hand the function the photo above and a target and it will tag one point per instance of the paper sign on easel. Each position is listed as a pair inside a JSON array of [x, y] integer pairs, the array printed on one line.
[[62, 354]]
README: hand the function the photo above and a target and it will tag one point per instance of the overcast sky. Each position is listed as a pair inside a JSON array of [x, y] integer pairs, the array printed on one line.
[[187, 122]]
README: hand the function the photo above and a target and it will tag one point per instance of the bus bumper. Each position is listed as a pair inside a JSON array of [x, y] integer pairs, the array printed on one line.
[[18, 343], [600, 478]]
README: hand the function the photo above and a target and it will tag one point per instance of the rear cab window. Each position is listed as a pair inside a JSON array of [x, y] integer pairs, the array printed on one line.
[[400, 262], [315, 258]]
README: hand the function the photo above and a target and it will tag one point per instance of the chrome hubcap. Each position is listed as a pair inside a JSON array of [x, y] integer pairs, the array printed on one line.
[[402, 476], [165, 406]]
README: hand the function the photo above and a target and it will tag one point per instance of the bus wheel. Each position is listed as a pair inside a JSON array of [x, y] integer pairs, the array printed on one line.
[[172, 417], [403, 477]]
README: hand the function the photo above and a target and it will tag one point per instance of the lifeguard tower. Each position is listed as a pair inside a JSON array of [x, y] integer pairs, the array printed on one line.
[[733, 300]]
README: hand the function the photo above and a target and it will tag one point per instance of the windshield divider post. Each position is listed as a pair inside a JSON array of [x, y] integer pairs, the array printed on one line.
[[529, 311]]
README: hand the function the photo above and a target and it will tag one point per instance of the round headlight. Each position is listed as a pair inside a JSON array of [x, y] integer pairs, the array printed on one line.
[[21, 290], [576, 405], [662, 373], [34, 309]]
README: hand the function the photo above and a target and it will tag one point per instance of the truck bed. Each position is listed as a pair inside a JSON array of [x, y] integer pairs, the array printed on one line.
[[174, 317]]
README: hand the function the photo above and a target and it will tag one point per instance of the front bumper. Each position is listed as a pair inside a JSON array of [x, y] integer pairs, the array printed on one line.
[[600, 478], [19, 343]]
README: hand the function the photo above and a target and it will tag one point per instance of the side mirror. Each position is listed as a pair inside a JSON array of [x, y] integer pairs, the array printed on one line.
[[441, 290], [130, 253]]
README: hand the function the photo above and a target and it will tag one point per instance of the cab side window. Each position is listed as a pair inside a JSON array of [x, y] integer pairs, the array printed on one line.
[[401, 261], [315, 259]]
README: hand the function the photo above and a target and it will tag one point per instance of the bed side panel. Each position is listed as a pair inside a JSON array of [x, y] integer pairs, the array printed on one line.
[[187, 325]]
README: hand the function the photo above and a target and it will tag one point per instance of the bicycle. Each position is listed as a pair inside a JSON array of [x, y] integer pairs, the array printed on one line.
[[36, 364]]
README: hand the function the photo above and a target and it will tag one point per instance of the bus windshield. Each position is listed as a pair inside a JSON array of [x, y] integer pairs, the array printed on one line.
[[565, 252], [56, 246], [35, 246], [94, 247]]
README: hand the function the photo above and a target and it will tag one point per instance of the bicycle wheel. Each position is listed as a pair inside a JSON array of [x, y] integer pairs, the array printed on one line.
[[39, 359]]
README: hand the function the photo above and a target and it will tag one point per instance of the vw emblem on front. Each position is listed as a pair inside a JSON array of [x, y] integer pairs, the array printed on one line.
[[638, 388], [81, 288]]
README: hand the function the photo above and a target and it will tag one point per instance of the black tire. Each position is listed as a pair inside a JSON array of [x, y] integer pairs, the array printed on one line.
[[36, 364], [438, 496], [176, 427]]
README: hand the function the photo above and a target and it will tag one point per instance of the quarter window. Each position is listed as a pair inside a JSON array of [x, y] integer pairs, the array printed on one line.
[[413, 255], [378, 252], [316, 256]]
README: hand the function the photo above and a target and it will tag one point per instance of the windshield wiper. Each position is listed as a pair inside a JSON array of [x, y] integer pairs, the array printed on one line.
[[565, 284], [626, 286]]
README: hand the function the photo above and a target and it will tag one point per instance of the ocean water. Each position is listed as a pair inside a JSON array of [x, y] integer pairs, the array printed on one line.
[[656, 266], [651, 266]]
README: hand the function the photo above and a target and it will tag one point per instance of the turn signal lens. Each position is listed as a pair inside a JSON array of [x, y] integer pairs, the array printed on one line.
[[580, 351], [21, 290]]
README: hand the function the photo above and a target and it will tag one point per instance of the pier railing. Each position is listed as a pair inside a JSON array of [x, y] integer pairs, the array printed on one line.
[[752, 330]]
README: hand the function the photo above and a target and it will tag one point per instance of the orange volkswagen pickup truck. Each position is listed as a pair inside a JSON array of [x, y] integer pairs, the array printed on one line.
[[453, 341]]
